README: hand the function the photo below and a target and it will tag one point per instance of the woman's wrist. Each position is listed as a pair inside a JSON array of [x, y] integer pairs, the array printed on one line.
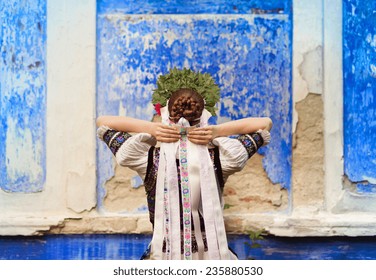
[[151, 128], [217, 131], [222, 130]]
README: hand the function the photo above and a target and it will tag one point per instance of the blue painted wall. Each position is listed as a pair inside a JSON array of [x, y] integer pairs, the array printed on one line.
[[131, 247], [22, 95], [359, 33], [246, 47], [195, 7]]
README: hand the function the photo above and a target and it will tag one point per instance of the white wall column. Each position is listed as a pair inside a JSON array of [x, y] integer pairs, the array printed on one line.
[[70, 186], [333, 101]]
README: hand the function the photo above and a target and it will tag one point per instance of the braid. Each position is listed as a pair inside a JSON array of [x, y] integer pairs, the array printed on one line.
[[185, 103]]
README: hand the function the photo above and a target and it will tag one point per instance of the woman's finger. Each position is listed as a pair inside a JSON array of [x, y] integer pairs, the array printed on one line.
[[167, 135], [198, 129], [169, 129], [167, 139], [200, 137], [200, 133], [199, 142], [167, 132], [203, 135]]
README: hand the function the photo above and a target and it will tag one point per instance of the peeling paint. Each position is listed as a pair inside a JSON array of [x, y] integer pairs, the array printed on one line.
[[308, 40], [365, 187], [195, 7], [312, 75], [359, 93], [248, 55], [22, 95]]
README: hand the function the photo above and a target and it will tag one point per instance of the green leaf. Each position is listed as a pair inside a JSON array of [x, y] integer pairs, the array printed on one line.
[[227, 206], [203, 84]]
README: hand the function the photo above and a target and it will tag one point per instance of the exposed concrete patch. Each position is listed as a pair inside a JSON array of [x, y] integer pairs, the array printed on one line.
[[308, 154], [99, 225], [121, 196], [28, 225], [252, 191], [144, 225]]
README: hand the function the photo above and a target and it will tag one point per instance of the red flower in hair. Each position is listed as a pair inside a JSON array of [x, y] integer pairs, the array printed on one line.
[[157, 108]]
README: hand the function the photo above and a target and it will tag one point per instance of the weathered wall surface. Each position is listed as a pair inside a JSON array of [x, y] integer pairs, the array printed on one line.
[[247, 51], [23, 96], [308, 142], [359, 126], [308, 154], [316, 178], [360, 94], [47, 97], [307, 53]]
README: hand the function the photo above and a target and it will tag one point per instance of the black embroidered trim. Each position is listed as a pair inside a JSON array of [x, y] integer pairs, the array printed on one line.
[[114, 139], [249, 145], [218, 167], [150, 181], [108, 136], [150, 163], [194, 244], [258, 139]]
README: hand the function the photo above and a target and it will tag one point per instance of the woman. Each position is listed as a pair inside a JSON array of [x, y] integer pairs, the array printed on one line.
[[184, 176]]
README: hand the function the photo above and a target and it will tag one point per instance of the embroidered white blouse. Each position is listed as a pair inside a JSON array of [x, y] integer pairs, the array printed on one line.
[[133, 152]]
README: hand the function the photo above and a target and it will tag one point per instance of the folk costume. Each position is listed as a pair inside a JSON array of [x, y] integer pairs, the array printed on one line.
[[184, 181]]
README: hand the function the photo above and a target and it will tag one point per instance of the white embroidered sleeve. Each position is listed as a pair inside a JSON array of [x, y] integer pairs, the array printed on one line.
[[134, 153], [129, 150], [232, 154]]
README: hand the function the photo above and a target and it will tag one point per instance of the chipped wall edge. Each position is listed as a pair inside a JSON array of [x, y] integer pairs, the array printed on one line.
[[299, 224]]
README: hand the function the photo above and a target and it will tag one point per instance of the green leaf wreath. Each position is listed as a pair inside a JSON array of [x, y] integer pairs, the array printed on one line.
[[202, 83]]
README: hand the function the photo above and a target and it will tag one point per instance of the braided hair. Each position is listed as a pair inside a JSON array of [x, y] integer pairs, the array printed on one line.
[[185, 103]]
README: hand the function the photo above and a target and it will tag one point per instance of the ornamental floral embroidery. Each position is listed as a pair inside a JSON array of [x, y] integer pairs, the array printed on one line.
[[115, 139]]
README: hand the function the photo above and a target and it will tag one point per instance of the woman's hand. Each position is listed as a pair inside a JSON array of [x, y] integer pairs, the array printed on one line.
[[164, 133], [203, 135]]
